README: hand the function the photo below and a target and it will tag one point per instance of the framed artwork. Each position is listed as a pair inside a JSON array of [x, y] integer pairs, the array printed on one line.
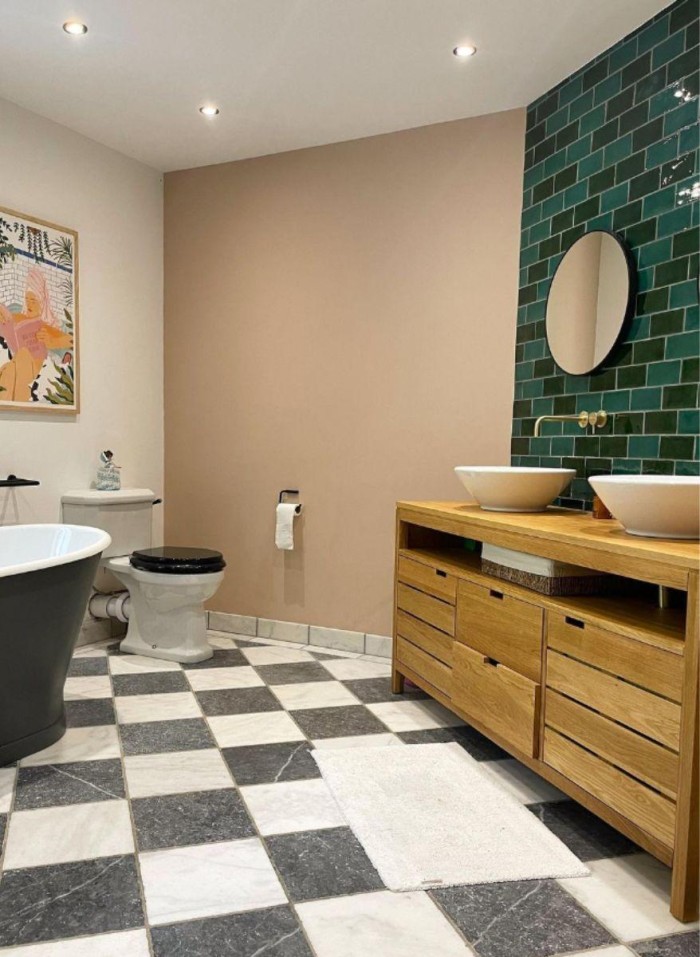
[[38, 315]]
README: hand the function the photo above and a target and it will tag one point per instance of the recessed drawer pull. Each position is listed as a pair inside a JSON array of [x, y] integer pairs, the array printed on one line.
[[495, 594], [440, 573], [576, 622], [491, 661]]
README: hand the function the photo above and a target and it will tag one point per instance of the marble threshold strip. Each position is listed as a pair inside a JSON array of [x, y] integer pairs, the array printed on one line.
[[334, 638]]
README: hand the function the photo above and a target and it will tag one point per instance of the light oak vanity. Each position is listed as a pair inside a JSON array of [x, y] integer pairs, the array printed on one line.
[[599, 695]]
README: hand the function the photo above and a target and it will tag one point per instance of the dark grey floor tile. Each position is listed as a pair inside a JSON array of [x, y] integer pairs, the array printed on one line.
[[81, 667], [273, 932], [223, 658], [285, 674], [153, 737], [582, 832], [537, 918], [268, 763], [325, 863], [69, 900], [320, 656], [480, 748], [678, 945], [201, 817], [89, 712], [238, 701], [338, 722], [77, 782], [374, 690], [153, 682]]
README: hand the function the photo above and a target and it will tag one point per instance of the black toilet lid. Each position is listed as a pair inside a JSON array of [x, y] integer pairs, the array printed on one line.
[[169, 560]]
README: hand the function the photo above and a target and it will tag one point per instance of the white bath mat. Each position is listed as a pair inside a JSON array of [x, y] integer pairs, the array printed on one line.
[[428, 816]]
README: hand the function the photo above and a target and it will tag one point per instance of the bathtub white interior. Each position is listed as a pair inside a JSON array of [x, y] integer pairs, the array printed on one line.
[[27, 548]]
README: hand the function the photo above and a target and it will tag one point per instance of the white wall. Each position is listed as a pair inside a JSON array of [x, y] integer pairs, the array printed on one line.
[[115, 204]]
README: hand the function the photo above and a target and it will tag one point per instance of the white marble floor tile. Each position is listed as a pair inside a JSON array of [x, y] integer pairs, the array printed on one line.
[[414, 715], [139, 665], [349, 670], [521, 782], [213, 679], [131, 942], [275, 655], [156, 707], [269, 727], [75, 832], [188, 882], [359, 741], [293, 806], [92, 686], [314, 694], [92, 651], [176, 772], [630, 895], [383, 923], [7, 783], [79, 744]]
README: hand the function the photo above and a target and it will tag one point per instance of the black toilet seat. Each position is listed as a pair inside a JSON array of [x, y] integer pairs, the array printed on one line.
[[171, 560]]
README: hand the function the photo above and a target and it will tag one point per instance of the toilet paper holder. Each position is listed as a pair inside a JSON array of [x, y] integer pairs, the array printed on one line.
[[289, 491]]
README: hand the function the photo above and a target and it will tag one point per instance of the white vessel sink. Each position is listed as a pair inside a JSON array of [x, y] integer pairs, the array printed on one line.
[[505, 488], [654, 506]]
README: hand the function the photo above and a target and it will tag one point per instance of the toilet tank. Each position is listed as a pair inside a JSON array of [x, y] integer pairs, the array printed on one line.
[[126, 515]]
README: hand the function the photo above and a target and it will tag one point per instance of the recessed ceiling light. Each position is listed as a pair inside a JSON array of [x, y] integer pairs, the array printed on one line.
[[464, 52], [209, 110], [75, 28]]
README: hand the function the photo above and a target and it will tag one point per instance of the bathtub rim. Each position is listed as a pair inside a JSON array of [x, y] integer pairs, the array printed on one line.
[[101, 541]]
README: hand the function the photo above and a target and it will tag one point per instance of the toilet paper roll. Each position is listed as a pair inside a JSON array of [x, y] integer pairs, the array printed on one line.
[[284, 528]]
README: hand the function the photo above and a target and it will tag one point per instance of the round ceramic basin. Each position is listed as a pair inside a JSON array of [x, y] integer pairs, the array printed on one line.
[[653, 506], [505, 488]]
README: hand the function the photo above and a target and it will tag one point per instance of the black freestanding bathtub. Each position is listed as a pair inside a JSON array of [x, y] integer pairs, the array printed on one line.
[[46, 575]]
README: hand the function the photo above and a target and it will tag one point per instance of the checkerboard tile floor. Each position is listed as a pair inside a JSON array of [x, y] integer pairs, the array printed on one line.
[[183, 814]]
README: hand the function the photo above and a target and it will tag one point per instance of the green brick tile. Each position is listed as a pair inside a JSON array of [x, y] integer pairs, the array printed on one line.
[[692, 319], [570, 90], [567, 177], [684, 294], [630, 167], [597, 71], [654, 301], [667, 323], [675, 271], [635, 70], [677, 446], [613, 445], [618, 401], [668, 50], [582, 104], [607, 88], [689, 421], [648, 183], [688, 468], [650, 133], [682, 14], [643, 446], [590, 122], [664, 373], [691, 370], [631, 377], [680, 397], [654, 253], [623, 53], [601, 181], [554, 163], [557, 121], [660, 423], [532, 388], [654, 34], [645, 279], [674, 221], [661, 102], [641, 399], [575, 194], [686, 242], [658, 153], [579, 149], [639, 328], [562, 221], [648, 350], [591, 164], [627, 215], [614, 198], [641, 233], [684, 115], [657, 466], [619, 150], [650, 84], [689, 138], [686, 345], [627, 466], [633, 118]]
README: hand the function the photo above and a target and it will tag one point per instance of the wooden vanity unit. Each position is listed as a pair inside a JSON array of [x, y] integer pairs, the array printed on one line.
[[599, 695]]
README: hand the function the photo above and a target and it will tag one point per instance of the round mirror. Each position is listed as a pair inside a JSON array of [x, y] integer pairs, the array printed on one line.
[[590, 300]]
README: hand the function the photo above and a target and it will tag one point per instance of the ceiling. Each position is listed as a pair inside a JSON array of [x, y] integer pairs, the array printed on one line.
[[289, 73]]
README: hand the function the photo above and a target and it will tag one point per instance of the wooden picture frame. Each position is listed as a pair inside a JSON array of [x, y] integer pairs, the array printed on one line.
[[39, 316]]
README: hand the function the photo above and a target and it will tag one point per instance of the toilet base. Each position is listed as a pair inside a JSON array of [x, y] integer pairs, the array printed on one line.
[[185, 654]]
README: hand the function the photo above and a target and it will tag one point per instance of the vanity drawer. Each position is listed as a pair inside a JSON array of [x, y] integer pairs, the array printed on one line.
[[500, 699], [429, 579], [431, 610], [654, 717], [424, 665], [501, 627], [432, 641], [631, 752], [642, 664], [647, 808]]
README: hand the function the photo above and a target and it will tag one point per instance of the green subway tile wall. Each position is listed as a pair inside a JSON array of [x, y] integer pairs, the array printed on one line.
[[615, 146]]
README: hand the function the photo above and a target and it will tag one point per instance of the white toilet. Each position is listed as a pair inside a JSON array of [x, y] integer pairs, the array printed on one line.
[[167, 586]]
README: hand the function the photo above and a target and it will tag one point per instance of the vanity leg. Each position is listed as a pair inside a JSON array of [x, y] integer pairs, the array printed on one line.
[[397, 681], [684, 885]]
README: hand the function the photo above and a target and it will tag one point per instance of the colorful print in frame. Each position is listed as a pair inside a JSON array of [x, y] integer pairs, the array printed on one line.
[[38, 315]]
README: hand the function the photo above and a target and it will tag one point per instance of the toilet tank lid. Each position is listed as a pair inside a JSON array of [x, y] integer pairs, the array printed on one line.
[[93, 496]]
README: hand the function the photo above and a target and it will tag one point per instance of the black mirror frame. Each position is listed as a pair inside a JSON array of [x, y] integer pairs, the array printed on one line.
[[629, 308]]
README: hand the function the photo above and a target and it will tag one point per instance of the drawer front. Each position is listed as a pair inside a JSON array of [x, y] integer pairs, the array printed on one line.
[[500, 699], [430, 610], [646, 808], [432, 641], [501, 627], [651, 668], [655, 717], [428, 667], [429, 579], [640, 757]]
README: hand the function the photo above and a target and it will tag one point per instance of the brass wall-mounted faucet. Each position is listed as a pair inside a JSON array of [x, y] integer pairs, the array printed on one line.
[[595, 419]]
